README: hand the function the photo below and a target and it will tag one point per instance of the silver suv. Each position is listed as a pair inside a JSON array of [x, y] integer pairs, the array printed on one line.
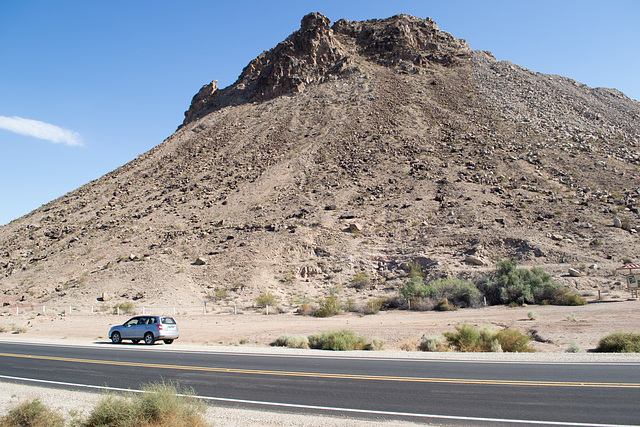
[[147, 328]]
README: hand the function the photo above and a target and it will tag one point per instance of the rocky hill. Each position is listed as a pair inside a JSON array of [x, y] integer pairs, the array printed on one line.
[[349, 150]]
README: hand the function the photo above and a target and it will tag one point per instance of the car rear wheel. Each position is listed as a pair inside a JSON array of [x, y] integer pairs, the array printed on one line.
[[149, 338], [116, 338], [168, 341]]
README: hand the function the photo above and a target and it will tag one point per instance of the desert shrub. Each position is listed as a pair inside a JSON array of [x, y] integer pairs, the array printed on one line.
[[266, 299], [161, 404], [350, 305], [457, 292], [445, 305], [306, 309], [361, 280], [460, 293], [412, 289], [341, 340], [620, 342], [433, 343], [574, 347], [126, 307], [567, 296], [466, 338], [218, 294], [526, 286], [32, 413], [415, 270], [329, 306], [376, 344], [374, 305], [291, 341], [513, 341], [469, 339]]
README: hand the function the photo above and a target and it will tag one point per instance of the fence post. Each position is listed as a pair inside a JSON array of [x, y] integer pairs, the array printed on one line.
[[118, 307], [267, 310], [44, 310], [174, 310]]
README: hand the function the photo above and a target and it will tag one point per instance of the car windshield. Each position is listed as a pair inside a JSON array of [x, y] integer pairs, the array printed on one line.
[[168, 321]]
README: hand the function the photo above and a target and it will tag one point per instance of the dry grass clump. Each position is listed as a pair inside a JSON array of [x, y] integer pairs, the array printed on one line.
[[620, 342], [32, 413], [466, 338], [161, 405]]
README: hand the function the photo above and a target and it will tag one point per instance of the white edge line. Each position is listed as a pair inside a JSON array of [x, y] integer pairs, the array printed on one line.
[[324, 408]]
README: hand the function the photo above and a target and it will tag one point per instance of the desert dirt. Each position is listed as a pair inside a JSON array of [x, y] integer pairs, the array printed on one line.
[[553, 328]]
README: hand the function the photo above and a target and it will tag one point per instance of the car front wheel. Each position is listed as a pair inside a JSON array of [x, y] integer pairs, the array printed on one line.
[[168, 341], [116, 338], [149, 338]]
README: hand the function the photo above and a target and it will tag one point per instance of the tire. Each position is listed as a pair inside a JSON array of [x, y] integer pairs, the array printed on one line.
[[135, 341], [168, 341], [149, 338], [116, 338]]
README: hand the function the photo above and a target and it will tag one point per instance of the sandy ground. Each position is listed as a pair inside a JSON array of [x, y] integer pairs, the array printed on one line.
[[555, 327], [253, 331]]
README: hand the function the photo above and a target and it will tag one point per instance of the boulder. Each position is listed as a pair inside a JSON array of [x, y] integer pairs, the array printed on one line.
[[200, 261], [574, 273], [474, 260]]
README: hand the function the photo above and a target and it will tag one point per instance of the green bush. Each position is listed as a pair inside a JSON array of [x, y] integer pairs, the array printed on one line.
[[620, 342], [457, 292], [374, 305], [361, 281], [32, 413], [329, 306], [126, 307], [291, 341], [338, 340], [161, 404], [522, 286], [466, 338], [433, 343], [513, 341], [266, 299]]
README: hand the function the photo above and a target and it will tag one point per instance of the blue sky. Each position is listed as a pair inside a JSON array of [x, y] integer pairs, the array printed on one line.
[[86, 86]]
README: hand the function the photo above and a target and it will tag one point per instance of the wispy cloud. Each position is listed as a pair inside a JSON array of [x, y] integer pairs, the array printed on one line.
[[41, 130]]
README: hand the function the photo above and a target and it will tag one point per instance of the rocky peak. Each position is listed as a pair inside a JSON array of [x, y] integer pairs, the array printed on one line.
[[319, 52], [406, 41]]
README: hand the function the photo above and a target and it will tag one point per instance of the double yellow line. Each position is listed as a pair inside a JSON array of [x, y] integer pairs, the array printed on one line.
[[329, 375]]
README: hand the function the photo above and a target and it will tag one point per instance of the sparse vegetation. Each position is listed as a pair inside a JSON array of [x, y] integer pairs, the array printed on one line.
[[447, 294], [161, 404], [329, 306], [32, 413], [266, 299], [527, 286], [619, 342], [342, 340], [291, 341], [466, 338], [361, 280], [126, 307]]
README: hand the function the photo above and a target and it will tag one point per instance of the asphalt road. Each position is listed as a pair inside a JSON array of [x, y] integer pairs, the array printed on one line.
[[438, 391]]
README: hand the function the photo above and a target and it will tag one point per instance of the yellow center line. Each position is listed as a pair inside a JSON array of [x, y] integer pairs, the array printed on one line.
[[330, 375]]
